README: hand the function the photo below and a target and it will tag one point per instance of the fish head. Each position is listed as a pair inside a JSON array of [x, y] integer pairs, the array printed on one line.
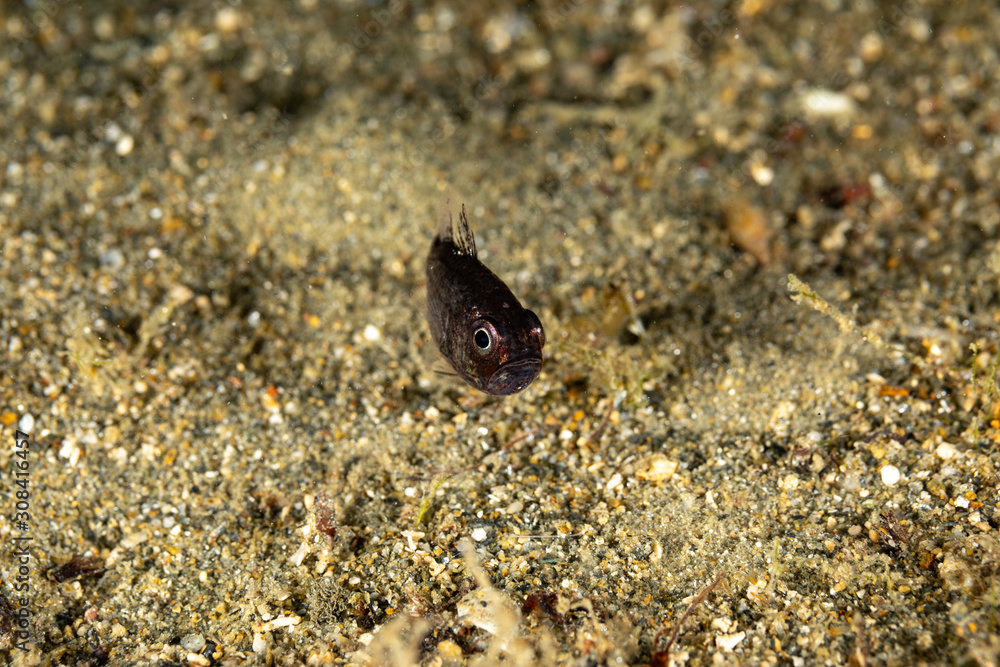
[[501, 356]]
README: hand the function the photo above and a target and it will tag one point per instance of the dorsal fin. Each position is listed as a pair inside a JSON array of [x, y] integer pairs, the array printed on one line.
[[445, 231], [466, 241]]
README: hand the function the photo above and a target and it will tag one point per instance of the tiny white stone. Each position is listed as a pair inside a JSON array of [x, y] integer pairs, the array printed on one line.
[[27, 422], [789, 482], [478, 534], [69, 449], [372, 333], [824, 103], [281, 622], [615, 481], [890, 475], [299, 555], [411, 537], [125, 145], [762, 175], [729, 642], [228, 19], [946, 451], [258, 643]]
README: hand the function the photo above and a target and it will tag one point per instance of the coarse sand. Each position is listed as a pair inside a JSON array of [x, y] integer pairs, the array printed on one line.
[[762, 237]]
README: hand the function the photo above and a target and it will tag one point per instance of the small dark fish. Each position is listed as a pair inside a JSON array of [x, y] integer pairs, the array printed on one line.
[[493, 342], [77, 567]]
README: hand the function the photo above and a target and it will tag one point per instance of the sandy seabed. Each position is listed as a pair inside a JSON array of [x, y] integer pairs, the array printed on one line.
[[242, 449]]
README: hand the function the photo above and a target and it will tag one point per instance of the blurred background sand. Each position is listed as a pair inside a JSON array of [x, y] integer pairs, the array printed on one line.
[[214, 221]]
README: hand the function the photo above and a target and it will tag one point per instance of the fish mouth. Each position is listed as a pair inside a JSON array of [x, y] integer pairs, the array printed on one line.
[[514, 376]]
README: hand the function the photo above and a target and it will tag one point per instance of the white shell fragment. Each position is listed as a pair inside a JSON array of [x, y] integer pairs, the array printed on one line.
[[890, 475], [819, 103]]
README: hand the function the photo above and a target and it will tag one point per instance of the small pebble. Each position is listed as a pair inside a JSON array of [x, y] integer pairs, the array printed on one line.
[[615, 481], [788, 483], [193, 642], [822, 103], [479, 534], [104, 27], [945, 451], [27, 423], [280, 622], [125, 145], [657, 468], [748, 229], [870, 47], [890, 475], [729, 642], [228, 19], [450, 651], [112, 259], [761, 175]]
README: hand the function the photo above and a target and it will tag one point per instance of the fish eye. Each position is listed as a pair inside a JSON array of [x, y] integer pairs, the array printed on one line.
[[483, 339]]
